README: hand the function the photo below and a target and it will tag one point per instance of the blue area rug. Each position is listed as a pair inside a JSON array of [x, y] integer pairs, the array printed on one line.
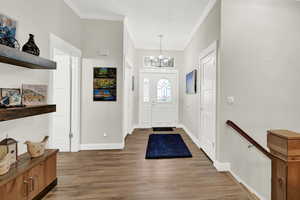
[[167, 146]]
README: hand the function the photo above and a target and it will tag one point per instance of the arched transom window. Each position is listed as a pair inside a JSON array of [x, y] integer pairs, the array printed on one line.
[[164, 91]]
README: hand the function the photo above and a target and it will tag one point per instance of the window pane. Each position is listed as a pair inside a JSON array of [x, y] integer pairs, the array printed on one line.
[[146, 90], [164, 91]]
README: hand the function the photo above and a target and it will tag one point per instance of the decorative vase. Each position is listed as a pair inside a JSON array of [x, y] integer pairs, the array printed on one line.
[[37, 149], [31, 47]]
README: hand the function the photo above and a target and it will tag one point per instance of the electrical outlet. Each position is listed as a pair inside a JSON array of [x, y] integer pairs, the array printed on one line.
[[105, 134]]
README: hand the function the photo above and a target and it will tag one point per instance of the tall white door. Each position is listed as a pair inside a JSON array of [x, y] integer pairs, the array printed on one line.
[[128, 99], [208, 104], [61, 97], [158, 98]]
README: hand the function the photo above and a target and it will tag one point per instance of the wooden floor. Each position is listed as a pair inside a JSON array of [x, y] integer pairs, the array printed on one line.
[[126, 175]]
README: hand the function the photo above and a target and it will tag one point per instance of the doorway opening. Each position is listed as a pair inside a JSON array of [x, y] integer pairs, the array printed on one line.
[[65, 92]]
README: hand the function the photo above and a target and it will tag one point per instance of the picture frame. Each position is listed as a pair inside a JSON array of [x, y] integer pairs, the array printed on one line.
[[191, 82], [105, 84], [34, 94], [14, 96], [8, 30]]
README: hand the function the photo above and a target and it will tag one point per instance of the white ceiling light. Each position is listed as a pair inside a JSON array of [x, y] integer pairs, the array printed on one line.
[[161, 60]]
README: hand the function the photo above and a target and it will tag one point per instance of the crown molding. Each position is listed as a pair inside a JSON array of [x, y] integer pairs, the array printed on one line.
[[127, 28], [73, 7], [102, 17], [92, 16], [206, 12]]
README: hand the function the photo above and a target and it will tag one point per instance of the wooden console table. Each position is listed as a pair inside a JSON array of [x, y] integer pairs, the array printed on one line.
[[30, 179]]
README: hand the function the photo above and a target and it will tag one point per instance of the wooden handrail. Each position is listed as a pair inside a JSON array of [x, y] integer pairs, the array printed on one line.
[[249, 139]]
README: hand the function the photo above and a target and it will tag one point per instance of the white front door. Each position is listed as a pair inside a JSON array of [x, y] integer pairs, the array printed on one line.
[[158, 98], [208, 93]]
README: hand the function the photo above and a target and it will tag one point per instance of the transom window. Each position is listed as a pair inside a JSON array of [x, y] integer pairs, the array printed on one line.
[[164, 91]]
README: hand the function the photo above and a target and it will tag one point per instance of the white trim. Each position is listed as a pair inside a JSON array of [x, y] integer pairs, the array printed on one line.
[[129, 32], [211, 48], [73, 7], [102, 17], [159, 70], [221, 166], [206, 12], [92, 16], [108, 146], [246, 185], [191, 135]]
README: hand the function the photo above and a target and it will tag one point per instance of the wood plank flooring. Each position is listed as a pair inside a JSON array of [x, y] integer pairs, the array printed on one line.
[[126, 175]]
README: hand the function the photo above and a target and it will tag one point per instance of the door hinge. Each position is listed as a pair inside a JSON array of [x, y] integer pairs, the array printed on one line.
[[71, 135]]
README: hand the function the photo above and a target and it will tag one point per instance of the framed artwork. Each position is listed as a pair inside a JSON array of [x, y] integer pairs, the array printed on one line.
[[34, 94], [105, 84], [191, 82], [8, 29], [13, 95]]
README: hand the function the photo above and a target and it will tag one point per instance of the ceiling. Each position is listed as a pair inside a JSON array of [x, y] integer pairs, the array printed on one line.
[[146, 19]]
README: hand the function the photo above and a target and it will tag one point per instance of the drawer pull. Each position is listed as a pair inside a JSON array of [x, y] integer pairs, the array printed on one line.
[[26, 188], [32, 184]]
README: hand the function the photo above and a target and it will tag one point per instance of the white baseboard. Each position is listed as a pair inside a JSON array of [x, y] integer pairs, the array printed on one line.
[[190, 134], [247, 186], [221, 166], [109, 146]]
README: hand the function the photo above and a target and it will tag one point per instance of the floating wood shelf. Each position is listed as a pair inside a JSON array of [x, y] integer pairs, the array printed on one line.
[[15, 57], [21, 112]]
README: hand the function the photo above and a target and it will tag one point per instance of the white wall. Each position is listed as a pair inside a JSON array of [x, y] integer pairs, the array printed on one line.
[[101, 117], [39, 18], [207, 33], [179, 65], [260, 68]]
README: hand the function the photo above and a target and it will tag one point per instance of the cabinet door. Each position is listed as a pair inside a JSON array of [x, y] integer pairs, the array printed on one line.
[[16, 189], [35, 179], [50, 170]]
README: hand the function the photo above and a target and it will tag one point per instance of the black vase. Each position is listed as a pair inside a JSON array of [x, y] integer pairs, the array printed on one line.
[[31, 47]]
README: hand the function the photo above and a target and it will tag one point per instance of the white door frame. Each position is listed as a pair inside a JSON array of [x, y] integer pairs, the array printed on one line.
[[211, 49], [127, 111], [58, 43], [152, 70]]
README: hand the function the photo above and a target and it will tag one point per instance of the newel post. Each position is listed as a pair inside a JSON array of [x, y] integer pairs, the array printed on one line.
[[285, 147]]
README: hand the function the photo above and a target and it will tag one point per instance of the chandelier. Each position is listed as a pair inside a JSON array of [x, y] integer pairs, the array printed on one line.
[[159, 61]]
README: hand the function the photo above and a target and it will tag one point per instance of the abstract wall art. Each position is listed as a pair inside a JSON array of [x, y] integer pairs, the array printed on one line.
[[105, 84]]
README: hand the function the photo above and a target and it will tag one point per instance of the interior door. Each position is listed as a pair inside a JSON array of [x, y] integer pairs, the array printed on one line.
[[159, 99], [128, 98], [61, 97], [208, 104]]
